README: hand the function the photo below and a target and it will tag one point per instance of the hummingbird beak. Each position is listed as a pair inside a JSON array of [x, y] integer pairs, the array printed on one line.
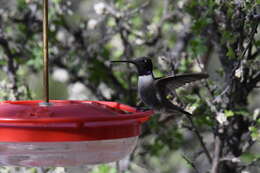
[[133, 62]]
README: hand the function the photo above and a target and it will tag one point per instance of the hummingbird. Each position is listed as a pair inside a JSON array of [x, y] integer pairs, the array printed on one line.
[[154, 91]]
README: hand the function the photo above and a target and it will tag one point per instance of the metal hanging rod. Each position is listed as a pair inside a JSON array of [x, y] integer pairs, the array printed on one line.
[[45, 52]]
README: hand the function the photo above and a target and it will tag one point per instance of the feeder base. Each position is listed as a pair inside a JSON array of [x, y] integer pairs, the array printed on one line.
[[48, 154]]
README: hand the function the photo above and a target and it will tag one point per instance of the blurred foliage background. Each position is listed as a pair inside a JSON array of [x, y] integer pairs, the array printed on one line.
[[181, 36]]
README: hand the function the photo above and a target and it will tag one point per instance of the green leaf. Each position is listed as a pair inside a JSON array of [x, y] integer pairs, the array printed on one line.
[[111, 22], [2, 62], [242, 112], [254, 132], [137, 21], [249, 157], [119, 3], [103, 169], [229, 113], [21, 4], [231, 54], [36, 58], [33, 170], [191, 8], [257, 42], [201, 23], [230, 11], [197, 47], [56, 1], [228, 37]]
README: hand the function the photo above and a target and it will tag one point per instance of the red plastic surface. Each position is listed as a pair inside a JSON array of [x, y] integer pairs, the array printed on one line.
[[28, 121]]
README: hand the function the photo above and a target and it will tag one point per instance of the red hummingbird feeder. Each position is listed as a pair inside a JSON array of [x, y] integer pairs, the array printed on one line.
[[64, 132]]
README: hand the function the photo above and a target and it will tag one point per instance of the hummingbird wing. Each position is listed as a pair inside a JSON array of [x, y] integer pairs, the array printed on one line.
[[166, 84], [174, 82]]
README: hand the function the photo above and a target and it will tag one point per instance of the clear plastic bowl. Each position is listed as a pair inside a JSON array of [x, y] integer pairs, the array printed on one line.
[[43, 154]]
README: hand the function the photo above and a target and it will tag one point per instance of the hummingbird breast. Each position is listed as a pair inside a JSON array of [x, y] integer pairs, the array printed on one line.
[[147, 91]]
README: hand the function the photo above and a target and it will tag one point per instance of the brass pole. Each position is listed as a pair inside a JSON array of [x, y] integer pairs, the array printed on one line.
[[45, 52]]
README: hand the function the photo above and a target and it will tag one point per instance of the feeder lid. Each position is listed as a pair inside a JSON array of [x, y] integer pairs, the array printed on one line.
[[31, 121]]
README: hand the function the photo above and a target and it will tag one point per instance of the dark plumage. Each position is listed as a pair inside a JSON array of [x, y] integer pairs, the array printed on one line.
[[153, 91]]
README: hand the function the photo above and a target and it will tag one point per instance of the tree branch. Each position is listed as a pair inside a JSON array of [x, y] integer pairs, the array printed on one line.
[[253, 82], [190, 163], [200, 138], [217, 152], [11, 68]]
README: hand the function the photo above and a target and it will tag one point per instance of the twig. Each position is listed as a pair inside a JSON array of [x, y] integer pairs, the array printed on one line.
[[242, 56], [251, 38], [230, 159], [11, 68], [206, 83], [197, 154], [222, 93], [253, 82], [215, 163], [140, 8], [203, 145], [190, 163]]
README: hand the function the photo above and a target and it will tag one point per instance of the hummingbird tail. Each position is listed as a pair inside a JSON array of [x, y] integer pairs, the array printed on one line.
[[176, 109], [186, 113]]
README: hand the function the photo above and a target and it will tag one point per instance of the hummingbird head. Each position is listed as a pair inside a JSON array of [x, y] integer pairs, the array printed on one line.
[[144, 65]]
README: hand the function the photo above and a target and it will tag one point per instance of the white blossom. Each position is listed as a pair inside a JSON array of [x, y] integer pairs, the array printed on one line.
[[69, 3], [52, 27], [77, 91], [60, 75], [70, 12], [238, 72], [236, 160], [180, 4], [221, 118], [256, 113], [152, 28], [100, 8], [92, 23], [191, 109], [105, 90], [245, 171], [178, 27], [162, 61], [60, 36], [59, 170], [139, 41]]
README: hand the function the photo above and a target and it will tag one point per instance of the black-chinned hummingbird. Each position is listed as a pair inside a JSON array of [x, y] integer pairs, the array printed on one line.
[[153, 91]]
